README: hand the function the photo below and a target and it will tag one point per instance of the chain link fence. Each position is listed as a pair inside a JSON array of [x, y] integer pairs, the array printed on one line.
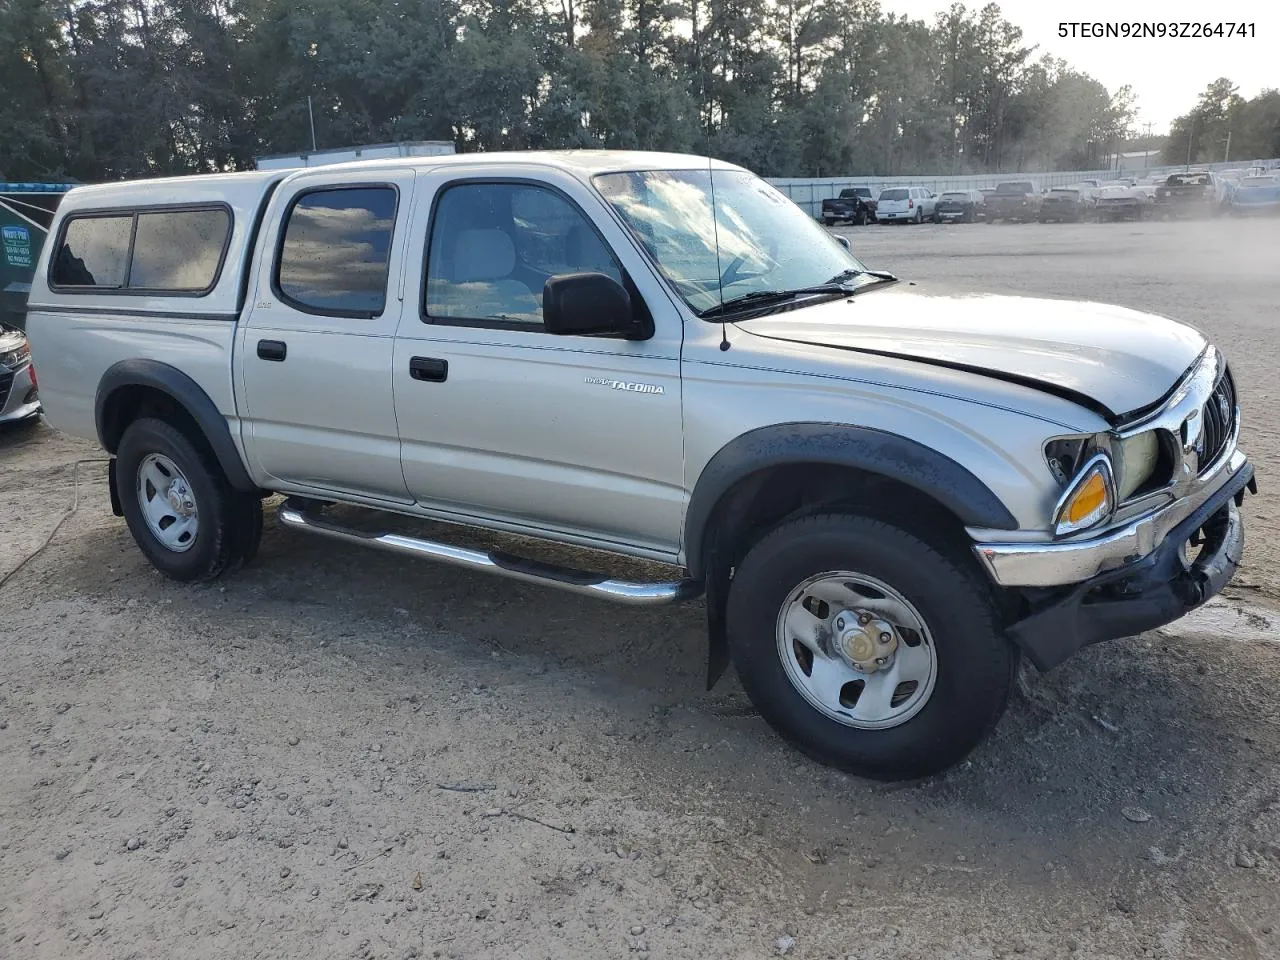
[[808, 194]]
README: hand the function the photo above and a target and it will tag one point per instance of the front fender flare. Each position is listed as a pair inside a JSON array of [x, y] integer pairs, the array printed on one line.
[[186, 393], [875, 451]]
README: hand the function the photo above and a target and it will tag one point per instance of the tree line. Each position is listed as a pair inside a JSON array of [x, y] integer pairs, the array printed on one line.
[[1224, 126], [102, 89]]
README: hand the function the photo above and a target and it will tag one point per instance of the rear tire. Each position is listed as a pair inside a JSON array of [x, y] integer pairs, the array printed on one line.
[[973, 663], [169, 483]]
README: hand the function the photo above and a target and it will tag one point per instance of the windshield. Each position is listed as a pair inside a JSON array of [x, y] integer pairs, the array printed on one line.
[[954, 196], [1064, 194], [894, 195], [1008, 188], [757, 240], [1188, 180]]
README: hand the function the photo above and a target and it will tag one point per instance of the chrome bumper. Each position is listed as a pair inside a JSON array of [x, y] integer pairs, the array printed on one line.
[[1073, 561]]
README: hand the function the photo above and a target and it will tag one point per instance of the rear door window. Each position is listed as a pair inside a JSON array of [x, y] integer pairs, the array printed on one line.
[[336, 250], [94, 252]]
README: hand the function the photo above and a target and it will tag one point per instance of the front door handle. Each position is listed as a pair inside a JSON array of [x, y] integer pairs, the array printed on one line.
[[272, 350], [429, 368]]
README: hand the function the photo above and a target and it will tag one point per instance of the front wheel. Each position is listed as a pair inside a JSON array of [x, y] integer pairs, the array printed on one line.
[[866, 647], [181, 510]]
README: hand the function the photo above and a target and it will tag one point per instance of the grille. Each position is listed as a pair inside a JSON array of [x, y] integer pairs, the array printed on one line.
[[1219, 417], [6, 382]]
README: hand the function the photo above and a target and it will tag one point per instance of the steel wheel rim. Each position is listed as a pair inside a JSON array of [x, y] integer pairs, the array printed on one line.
[[826, 663], [168, 503]]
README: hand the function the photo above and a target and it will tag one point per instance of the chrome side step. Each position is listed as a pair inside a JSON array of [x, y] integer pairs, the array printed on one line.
[[503, 564]]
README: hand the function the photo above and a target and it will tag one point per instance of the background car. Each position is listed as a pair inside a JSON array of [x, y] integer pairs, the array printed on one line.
[[854, 204], [1255, 195], [1195, 193], [1013, 200], [905, 205], [1120, 202], [958, 205], [1067, 204], [18, 396]]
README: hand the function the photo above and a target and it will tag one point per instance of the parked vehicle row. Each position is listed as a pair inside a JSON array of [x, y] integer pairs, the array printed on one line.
[[1187, 195]]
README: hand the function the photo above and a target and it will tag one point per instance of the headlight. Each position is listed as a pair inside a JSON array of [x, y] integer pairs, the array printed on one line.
[[1136, 459], [1089, 500]]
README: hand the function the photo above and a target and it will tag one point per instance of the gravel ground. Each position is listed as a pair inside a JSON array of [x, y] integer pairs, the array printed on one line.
[[337, 754]]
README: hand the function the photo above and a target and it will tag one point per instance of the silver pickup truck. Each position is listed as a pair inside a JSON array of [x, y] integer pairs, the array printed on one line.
[[887, 494]]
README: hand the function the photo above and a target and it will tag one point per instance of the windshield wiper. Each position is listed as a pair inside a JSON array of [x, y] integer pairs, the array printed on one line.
[[766, 297], [839, 284]]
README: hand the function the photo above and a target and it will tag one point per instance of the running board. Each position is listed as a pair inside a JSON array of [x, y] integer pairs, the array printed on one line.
[[495, 561]]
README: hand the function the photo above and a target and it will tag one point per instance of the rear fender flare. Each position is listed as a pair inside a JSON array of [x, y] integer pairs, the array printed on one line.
[[187, 394]]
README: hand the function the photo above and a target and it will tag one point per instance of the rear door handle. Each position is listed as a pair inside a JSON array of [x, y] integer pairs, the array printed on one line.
[[272, 350], [429, 368]]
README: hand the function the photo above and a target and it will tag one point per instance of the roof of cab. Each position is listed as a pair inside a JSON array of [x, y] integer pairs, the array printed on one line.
[[582, 163], [244, 190]]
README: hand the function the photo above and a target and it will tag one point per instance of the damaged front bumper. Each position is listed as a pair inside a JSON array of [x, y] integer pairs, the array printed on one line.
[[1147, 589]]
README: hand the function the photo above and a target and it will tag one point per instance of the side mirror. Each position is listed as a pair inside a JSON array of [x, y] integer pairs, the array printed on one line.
[[842, 240], [586, 305]]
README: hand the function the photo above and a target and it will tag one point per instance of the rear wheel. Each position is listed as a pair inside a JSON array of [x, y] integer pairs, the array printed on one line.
[[866, 647], [179, 506]]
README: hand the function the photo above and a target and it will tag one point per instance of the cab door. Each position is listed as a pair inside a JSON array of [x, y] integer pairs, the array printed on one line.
[[506, 423], [315, 352]]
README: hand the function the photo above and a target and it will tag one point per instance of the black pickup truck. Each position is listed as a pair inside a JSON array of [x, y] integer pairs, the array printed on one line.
[[855, 204], [1190, 194], [1013, 200]]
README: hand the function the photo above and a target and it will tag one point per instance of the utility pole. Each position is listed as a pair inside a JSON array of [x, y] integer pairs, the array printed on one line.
[[312, 118], [1146, 150], [1227, 155], [1190, 130]]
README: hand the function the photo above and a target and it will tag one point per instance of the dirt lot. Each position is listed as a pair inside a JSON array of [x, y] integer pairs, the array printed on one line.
[[263, 767]]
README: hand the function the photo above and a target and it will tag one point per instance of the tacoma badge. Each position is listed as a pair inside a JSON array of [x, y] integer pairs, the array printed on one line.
[[630, 385]]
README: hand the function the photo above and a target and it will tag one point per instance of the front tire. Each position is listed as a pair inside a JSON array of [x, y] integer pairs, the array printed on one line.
[[179, 505], [808, 612]]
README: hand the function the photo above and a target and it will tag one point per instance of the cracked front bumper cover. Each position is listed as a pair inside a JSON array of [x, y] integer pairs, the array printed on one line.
[[1155, 590]]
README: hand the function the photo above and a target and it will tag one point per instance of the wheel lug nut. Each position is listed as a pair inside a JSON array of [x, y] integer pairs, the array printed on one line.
[[864, 618], [882, 660], [885, 637]]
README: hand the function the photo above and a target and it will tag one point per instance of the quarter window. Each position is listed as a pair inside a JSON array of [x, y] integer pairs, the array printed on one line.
[[494, 246], [178, 249], [336, 250], [168, 251], [94, 252]]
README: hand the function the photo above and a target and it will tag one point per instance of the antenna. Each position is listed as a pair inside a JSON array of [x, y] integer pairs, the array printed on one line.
[[715, 227]]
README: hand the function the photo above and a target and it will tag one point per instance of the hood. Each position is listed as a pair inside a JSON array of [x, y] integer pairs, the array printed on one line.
[[1109, 359]]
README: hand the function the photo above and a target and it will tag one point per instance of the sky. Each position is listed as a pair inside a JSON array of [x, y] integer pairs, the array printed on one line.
[[1166, 74]]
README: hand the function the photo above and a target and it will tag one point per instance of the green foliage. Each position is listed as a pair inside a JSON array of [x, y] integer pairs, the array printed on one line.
[[1221, 117], [101, 89]]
